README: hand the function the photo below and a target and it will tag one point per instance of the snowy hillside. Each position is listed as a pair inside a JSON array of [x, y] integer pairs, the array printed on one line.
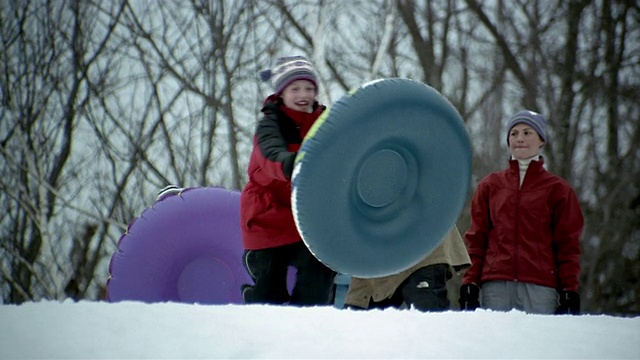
[[98, 330]]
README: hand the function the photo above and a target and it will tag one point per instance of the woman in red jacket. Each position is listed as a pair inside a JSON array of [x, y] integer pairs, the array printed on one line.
[[524, 239], [269, 234]]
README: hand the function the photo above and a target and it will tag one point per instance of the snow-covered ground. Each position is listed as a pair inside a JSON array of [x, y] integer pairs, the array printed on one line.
[[135, 330]]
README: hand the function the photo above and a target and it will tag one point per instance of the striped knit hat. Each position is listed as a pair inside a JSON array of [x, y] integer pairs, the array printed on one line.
[[287, 70], [533, 119]]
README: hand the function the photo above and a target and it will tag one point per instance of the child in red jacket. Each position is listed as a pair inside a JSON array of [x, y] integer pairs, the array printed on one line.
[[269, 234], [524, 240]]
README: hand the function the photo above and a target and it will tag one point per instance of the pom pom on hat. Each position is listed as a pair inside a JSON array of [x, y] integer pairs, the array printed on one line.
[[531, 118], [287, 70], [265, 75]]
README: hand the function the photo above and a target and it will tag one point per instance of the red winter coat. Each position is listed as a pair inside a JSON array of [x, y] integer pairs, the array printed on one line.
[[529, 234], [265, 203]]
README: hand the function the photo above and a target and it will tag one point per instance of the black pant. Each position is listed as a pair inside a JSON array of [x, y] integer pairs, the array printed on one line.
[[268, 268], [425, 290]]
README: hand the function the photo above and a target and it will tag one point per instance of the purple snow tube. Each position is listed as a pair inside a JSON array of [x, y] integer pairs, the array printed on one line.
[[185, 248]]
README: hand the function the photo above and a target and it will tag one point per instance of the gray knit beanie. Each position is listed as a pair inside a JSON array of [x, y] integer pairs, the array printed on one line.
[[531, 118]]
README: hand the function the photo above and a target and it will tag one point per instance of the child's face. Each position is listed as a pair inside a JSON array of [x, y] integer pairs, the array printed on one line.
[[299, 95], [524, 142]]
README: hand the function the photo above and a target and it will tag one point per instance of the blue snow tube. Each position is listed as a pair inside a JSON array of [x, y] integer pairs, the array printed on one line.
[[381, 177]]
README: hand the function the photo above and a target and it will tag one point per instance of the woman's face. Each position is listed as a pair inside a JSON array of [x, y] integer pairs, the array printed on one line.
[[524, 142], [299, 95]]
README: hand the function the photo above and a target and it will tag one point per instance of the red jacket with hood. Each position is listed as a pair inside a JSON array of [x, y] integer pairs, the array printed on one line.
[[527, 234], [265, 203]]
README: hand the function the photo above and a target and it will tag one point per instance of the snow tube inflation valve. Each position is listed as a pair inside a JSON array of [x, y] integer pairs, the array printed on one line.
[[381, 178]]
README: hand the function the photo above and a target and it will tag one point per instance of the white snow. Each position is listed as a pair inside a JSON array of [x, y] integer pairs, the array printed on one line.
[[135, 330]]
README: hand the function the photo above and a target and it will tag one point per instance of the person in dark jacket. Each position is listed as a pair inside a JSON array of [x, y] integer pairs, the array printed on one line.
[[524, 239], [422, 287], [269, 235]]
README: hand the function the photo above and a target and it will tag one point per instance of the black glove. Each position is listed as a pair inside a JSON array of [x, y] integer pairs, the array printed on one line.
[[469, 297], [569, 303]]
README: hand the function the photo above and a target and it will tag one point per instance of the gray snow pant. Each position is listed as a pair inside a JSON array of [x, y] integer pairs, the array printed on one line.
[[508, 295]]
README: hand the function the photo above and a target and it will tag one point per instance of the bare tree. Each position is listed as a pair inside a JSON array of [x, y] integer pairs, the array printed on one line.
[[51, 61], [608, 101], [201, 48]]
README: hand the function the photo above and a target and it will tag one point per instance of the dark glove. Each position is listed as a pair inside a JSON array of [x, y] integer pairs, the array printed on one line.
[[469, 297], [569, 303]]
